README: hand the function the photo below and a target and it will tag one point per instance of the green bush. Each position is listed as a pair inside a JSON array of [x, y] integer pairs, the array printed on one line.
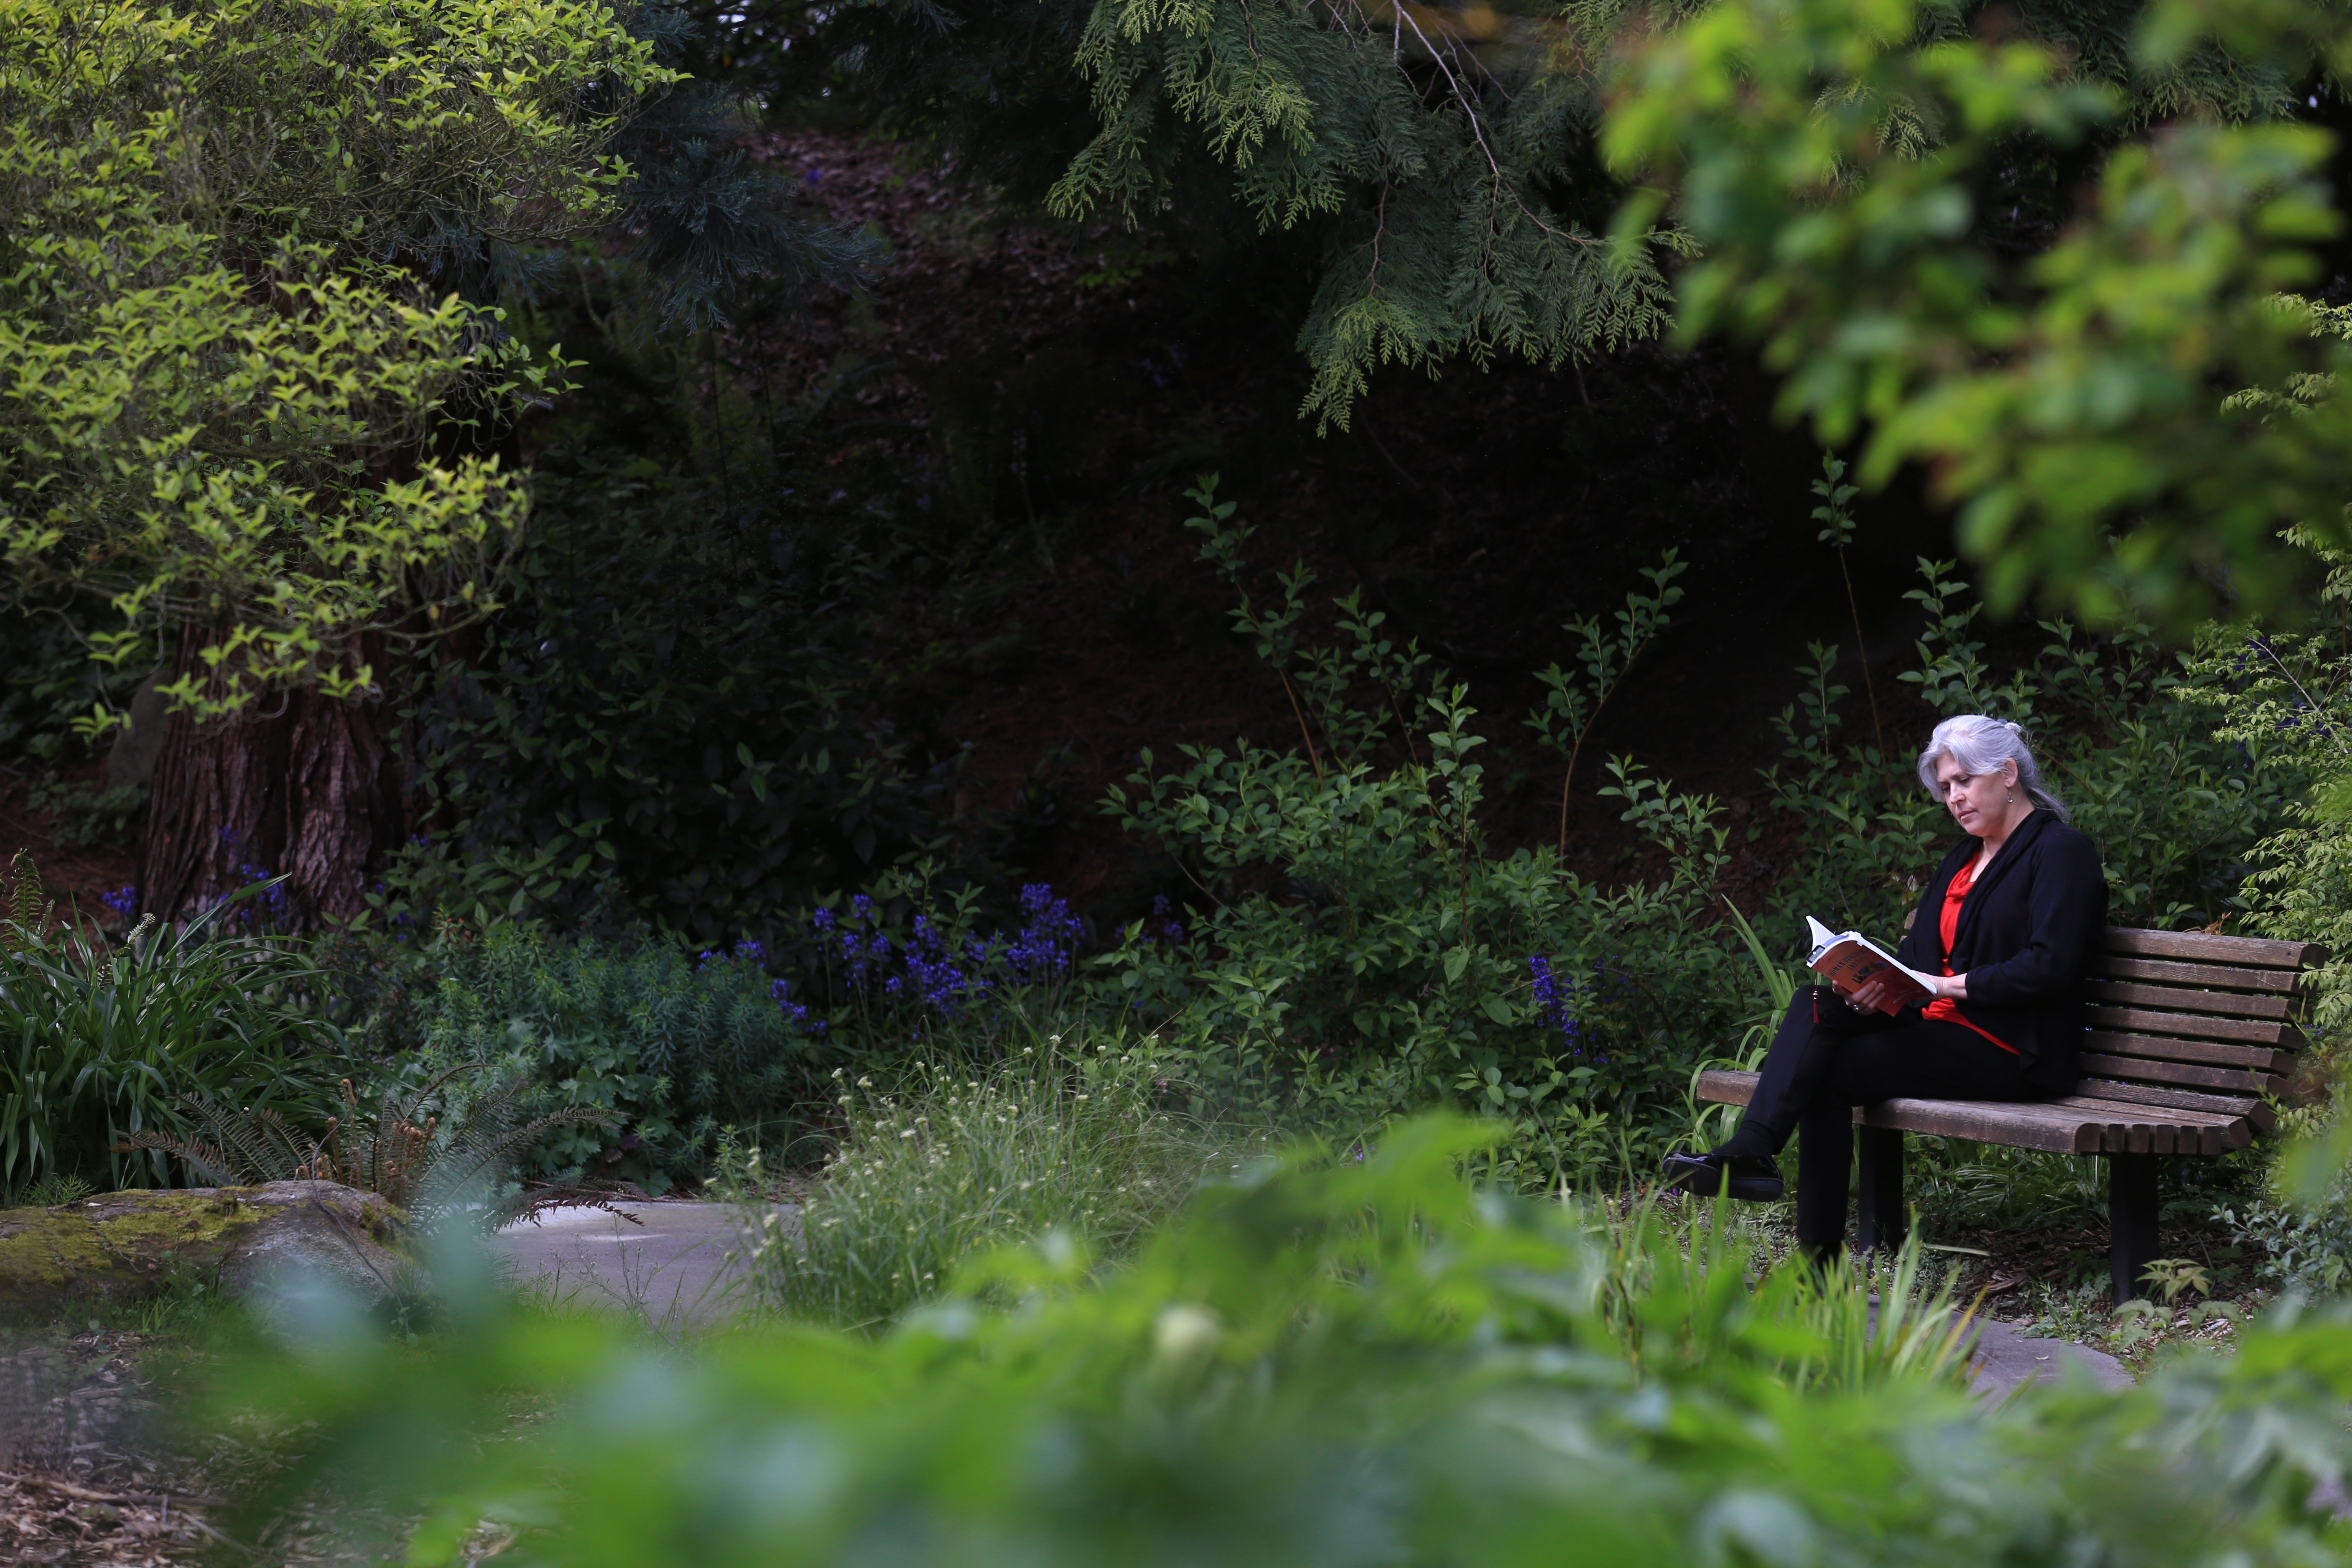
[[1325, 1361], [668, 724], [98, 1042], [1067, 1135], [1367, 954], [674, 1049]]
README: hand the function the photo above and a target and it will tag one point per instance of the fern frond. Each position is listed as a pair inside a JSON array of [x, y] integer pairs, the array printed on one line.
[[213, 1165]]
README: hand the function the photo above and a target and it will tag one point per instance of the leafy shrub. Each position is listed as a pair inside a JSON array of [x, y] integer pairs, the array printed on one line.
[[101, 1042], [667, 725], [1330, 1362], [1062, 1135], [51, 1191], [47, 680], [2300, 1217], [81, 817], [668, 1049], [678, 1049], [2285, 692], [1367, 955]]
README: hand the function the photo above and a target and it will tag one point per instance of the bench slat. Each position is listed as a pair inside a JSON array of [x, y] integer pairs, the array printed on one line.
[[2209, 976], [2160, 1047], [2258, 1114], [2181, 1073], [2198, 947], [2252, 1031], [2080, 1125], [2025, 1125], [2179, 999], [2213, 1134], [1725, 1086]]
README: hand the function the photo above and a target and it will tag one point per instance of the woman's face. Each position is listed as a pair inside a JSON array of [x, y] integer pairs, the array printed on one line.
[[1981, 804]]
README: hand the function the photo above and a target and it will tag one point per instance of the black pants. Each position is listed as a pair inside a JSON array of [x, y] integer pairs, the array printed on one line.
[[1827, 1059]]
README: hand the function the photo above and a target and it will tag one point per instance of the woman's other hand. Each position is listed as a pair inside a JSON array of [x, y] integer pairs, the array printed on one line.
[[1874, 994]]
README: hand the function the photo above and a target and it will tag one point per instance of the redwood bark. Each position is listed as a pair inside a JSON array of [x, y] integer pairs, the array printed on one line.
[[308, 787]]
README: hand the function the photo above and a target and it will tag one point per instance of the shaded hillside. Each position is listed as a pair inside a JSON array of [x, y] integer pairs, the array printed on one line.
[[1050, 394]]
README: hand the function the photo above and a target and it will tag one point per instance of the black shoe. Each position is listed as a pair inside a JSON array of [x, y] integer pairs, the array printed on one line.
[[1751, 1180]]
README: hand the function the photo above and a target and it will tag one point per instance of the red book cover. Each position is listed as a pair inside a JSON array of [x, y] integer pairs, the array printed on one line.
[[1848, 960]]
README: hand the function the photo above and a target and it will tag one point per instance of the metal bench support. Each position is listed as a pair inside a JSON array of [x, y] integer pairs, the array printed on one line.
[[1883, 1220], [2131, 1221]]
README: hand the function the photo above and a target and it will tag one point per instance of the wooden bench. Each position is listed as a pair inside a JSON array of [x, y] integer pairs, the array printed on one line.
[[2188, 1034]]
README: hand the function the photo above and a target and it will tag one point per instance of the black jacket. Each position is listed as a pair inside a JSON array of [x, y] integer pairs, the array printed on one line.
[[2027, 933]]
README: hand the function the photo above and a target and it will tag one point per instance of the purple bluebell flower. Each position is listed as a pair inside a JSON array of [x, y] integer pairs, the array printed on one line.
[[123, 901], [1553, 994], [780, 993], [1048, 938], [822, 919], [273, 899]]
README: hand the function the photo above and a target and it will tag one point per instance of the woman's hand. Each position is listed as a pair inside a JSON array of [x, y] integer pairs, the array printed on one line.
[[1872, 995]]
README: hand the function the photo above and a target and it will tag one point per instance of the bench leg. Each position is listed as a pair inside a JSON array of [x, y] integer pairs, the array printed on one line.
[[1883, 1220], [2131, 1221]]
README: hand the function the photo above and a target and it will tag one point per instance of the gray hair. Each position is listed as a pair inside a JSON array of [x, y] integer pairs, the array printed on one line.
[[1980, 745]]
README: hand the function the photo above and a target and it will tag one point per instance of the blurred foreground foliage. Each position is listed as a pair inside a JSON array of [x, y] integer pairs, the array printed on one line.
[[1325, 1361]]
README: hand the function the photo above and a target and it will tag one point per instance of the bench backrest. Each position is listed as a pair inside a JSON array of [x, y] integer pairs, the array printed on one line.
[[2192, 1022]]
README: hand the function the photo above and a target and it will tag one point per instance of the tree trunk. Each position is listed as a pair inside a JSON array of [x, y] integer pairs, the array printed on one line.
[[309, 788]]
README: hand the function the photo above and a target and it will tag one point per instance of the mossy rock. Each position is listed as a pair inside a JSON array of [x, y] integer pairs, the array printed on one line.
[[121, 1246]]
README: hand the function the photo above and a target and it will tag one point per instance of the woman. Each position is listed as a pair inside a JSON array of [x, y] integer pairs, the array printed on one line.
[[2004, 930]]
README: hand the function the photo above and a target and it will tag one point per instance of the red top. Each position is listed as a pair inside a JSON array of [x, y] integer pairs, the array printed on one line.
[[1948, 924]]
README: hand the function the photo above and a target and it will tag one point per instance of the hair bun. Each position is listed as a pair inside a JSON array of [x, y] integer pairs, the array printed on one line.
[[2012, 726]]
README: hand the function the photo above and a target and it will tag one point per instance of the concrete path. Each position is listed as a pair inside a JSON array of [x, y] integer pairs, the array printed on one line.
[[669, 1268], [2005, 1361]]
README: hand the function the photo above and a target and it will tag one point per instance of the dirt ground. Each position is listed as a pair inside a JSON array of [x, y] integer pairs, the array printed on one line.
[[83, 1480]]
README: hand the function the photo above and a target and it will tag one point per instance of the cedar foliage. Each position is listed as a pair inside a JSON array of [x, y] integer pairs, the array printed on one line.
[[1443, 161]]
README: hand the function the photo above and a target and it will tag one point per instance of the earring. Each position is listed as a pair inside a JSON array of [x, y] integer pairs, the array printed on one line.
[[2012, 795]]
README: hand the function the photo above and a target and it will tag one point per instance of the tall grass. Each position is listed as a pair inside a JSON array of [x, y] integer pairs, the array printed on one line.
[[1073, 1136], [98, 1042], [1683, 1286]]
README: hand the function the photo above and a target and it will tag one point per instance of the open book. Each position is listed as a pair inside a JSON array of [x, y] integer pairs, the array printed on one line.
[[1847, 959]]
